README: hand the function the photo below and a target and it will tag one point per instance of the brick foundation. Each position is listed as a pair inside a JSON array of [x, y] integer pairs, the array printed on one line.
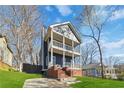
[[58, 72], [76, 72]]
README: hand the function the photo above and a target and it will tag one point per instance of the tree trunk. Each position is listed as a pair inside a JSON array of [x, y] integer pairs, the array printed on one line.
[[100, 53]]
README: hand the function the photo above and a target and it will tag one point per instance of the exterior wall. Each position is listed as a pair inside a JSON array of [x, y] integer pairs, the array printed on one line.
[[9, 57], [5, 54], [110, 73], [92, 72]]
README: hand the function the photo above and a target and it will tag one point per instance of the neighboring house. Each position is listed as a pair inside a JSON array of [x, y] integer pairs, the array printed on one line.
[[93, 69], [61, 46], [109, 72], [6, 55], [119, 70]]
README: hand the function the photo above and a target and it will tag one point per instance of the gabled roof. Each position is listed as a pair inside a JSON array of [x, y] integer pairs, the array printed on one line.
[[93, 65], [73, 29]]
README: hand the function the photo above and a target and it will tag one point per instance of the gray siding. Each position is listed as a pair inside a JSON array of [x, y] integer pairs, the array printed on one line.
[[45, 55]]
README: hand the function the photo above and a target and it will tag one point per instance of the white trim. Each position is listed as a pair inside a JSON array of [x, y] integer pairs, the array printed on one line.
[[80, 57], [51, 48], [48, 53], [63, 51], [64, 23]]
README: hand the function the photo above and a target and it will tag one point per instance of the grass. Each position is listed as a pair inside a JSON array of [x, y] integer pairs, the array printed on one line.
[[90, 82], [14, 79]]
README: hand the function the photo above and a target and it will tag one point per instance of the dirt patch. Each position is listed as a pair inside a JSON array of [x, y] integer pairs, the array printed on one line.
[[4, 66]]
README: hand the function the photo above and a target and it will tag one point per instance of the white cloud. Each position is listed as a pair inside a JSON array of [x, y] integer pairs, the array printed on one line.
[[113, 45], [119, 14], [48, 8], [64, 10]]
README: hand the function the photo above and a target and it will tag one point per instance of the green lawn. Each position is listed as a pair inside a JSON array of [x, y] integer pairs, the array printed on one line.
[[89, 82], [14, 79]]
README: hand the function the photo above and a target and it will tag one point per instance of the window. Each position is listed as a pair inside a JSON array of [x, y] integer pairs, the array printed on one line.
[[107, 71]]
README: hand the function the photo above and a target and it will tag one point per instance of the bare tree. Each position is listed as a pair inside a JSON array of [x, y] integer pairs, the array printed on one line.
[[113, 60], [91, 17], [23, 27], [89, 51]]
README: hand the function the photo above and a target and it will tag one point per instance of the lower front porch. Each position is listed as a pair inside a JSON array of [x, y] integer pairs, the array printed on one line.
[[62, 72], [64, 61]]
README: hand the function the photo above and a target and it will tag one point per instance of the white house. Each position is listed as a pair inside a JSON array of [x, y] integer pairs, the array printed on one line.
[[6, 55]]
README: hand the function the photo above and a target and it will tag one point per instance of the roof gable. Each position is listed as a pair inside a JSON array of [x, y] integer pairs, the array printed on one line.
[[68, 27]]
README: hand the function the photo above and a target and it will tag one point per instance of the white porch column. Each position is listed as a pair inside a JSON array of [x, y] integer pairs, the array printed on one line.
[[48, 44], [63, 51], [80, 57], [51, 48], [72, 54]]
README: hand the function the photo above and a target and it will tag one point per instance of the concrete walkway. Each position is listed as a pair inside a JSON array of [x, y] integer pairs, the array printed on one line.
[[48, 83]]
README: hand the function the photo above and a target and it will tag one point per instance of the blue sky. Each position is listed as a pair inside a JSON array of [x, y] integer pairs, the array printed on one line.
[[113, 32]]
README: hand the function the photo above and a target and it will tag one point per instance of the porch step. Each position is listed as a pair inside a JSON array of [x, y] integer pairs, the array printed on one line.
[[57, 72]]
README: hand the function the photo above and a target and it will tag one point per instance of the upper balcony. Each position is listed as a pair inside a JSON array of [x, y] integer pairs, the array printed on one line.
[[65, 47], [58, 32]]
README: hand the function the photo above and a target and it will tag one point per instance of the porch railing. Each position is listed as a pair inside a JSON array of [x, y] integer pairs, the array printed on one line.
[[58, 44], [68, 64], [67, 47]]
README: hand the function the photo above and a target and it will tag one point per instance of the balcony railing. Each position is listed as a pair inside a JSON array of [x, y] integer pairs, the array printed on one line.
[[67, 47], [58, 44]]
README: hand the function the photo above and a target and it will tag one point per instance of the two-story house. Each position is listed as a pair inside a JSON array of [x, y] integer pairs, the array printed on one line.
[[61, 46]]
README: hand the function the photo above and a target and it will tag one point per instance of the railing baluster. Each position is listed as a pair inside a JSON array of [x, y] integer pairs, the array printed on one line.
[[67, 47]]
